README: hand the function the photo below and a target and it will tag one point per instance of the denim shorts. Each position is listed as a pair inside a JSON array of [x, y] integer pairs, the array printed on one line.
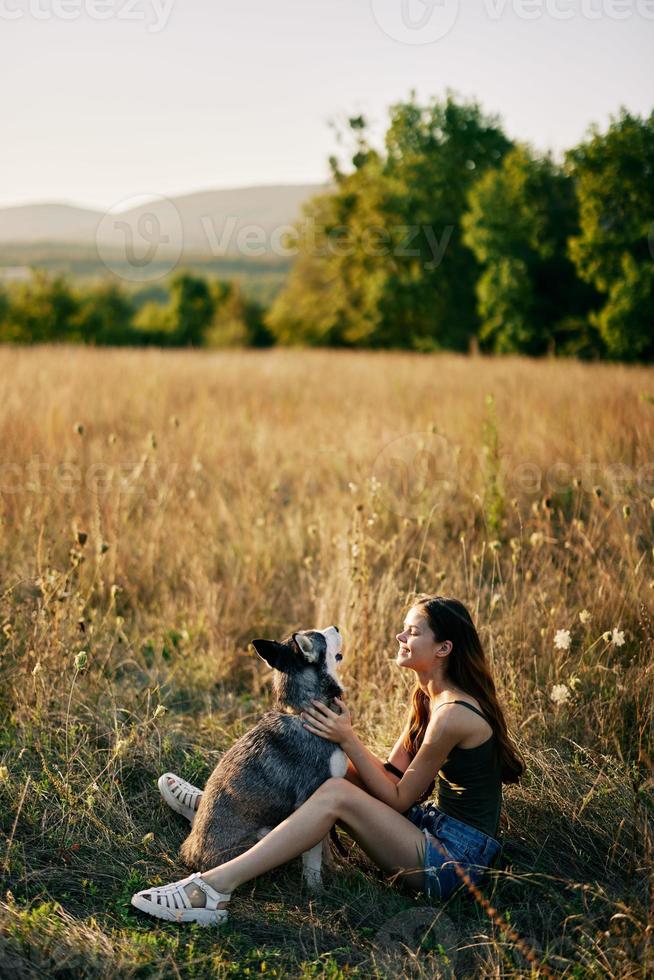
[[449, 840]]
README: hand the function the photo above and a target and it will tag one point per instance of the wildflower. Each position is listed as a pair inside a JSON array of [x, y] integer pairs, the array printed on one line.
[[37, 668], [584, 616], [147, 839], [617, 637], [606, 636], [159, 710], [536, 539], [562, 640], [560, 693], [4, 775], [81, 660]]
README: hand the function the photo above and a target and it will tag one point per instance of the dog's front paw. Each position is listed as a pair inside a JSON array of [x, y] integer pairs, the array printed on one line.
[[311, 863]]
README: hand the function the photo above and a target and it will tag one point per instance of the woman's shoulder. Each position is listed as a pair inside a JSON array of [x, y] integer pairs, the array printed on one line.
[[473, 725], [455, 698]]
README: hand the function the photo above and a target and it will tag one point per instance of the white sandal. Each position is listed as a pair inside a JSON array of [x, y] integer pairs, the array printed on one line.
[[181, 796], [171, 902]]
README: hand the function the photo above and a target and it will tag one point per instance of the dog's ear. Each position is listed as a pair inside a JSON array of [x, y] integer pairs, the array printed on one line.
[[276, 655], [305, 644]]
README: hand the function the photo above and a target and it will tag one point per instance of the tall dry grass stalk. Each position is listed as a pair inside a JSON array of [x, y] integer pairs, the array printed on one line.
[[160, 509]]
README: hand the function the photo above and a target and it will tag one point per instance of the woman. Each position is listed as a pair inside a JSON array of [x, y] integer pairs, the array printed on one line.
[[455, 732]]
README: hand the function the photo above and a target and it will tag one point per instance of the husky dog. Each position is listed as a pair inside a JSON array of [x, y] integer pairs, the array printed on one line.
[[278, 764]]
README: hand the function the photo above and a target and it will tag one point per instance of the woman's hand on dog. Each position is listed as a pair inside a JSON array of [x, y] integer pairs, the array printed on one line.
[[322, 721]]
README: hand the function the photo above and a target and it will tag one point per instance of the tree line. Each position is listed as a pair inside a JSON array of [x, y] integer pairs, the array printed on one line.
[[199, 312], [451, 236]]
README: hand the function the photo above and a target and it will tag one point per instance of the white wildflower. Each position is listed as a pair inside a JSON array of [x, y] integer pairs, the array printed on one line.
[[617, 637], [584, 616], [562, 640], [560, 693], [159, 710]]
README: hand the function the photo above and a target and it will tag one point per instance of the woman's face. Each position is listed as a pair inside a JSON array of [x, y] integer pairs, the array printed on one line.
[[417, 642]]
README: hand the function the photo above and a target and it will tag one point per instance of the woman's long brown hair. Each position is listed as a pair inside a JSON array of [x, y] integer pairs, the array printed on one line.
[[466, 668]]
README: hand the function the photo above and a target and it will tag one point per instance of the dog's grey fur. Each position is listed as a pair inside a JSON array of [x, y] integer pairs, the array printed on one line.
[[278, 764]]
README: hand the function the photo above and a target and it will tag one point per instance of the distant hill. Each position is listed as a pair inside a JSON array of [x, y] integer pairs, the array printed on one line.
[[239, 221], [31, 223]]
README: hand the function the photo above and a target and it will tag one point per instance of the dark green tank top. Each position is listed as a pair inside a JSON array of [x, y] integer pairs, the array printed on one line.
[[470, 782]]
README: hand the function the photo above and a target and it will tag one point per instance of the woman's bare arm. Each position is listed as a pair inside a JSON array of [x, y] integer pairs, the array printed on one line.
[[442, 734], [398, 757]]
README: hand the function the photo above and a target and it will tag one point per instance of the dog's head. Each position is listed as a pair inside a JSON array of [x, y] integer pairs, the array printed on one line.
[[305, 666]]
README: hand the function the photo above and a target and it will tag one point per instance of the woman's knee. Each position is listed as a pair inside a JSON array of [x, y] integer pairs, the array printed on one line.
[[336, 792]]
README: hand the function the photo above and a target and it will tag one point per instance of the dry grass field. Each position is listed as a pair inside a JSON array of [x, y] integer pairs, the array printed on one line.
[[158, 510]]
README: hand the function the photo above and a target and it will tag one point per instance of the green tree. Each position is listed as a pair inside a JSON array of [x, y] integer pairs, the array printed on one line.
[[614, 250], [236, 321], [105, 316], [381, 259], [191, 308], [43, 309], [520, 217]]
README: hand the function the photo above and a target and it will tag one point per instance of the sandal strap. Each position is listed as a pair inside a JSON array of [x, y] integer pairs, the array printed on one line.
[[184, 792], [172, 896], [212, 896]]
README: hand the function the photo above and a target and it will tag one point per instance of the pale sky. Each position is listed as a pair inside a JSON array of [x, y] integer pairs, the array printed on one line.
[[160, 97]]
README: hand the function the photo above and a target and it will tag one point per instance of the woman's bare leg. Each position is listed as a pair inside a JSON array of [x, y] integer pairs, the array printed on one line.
[[392, 841]]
